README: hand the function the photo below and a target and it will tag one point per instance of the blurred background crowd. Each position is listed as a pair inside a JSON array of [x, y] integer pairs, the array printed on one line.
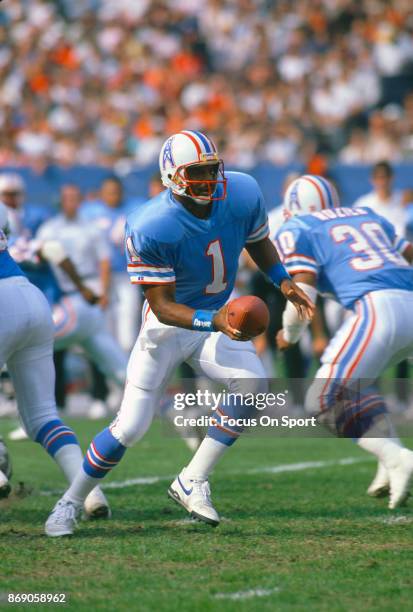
[[102, 81], [90, 89]]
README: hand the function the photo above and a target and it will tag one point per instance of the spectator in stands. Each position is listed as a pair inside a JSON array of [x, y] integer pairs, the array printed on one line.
[[102, 82], [383, 199]]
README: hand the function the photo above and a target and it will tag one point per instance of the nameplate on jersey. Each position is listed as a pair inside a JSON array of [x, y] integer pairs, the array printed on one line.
[[339, 213]]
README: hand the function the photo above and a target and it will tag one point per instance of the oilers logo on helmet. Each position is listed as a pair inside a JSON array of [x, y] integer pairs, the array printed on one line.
[[167, 154], [309, 194], [179, 153]]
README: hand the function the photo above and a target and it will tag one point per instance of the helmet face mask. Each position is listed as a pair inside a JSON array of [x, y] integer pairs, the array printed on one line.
[[190, 167], [196, 178]]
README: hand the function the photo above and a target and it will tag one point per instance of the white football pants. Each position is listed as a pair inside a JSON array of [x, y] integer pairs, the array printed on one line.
[[377, 335], [159, 349]]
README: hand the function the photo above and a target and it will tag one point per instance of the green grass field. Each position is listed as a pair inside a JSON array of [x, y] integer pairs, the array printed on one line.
[[308, 539]]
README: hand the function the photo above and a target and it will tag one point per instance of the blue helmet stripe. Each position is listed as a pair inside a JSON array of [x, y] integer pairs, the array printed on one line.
[[327, 188], [204, 141]]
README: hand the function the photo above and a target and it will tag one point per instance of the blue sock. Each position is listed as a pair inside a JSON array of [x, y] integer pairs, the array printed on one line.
[[224, 430], [360, 416], [103, 454], [55, 434]]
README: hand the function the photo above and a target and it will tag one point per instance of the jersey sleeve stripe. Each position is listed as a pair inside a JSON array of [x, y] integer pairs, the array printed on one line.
[[140, 280], [297, 269], [152, 274], [265, 234], [259, 229], [294, 256], [150, 269], [259, 234]]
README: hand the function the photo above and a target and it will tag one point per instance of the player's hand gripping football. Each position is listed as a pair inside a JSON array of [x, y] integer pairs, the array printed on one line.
[[221, 324], [299, 298]]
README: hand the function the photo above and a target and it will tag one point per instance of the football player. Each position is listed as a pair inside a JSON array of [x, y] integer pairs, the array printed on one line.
[[354, 255], [183, 248], [26, 347]]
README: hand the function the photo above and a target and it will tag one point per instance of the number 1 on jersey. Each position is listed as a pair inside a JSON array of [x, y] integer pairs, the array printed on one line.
[[214, 250]]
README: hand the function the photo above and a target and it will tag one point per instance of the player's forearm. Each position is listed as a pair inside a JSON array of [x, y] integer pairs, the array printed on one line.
[[171, 313], [263, 253], [68, 267], [267, 259], [105, 276]]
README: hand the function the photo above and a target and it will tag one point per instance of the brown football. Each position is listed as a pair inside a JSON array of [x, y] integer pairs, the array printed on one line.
[[248, 314]]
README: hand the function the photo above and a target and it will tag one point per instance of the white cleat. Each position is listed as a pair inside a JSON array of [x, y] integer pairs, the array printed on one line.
[[195, 497], [5, 487], [5, 470], [63, 519], [96, 505], [98, 410], [18, 434], [380, 485], [400, 475]]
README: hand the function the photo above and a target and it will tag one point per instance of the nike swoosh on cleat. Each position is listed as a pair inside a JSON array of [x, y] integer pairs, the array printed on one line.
[[186, 491]]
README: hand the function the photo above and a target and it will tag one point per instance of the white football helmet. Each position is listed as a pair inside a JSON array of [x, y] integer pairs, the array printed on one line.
[[12, 189], [308, 194], [180, 152]]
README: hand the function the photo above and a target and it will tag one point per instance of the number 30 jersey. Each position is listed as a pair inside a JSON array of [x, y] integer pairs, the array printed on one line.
[[167, 244], [352, 251]]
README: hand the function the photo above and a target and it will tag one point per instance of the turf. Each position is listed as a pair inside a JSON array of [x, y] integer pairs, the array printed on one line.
[[299, 540]]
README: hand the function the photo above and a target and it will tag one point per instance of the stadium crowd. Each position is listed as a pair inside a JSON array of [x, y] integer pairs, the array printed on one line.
[[102, 82]]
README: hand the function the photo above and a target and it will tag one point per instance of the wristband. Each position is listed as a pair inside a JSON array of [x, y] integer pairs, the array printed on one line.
[[277, 273], [202, 320]]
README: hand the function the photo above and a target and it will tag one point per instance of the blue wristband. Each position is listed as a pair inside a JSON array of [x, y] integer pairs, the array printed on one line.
[[277, 273], [202, 320]]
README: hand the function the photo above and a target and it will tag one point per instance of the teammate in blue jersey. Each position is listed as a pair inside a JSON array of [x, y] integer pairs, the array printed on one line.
[[353, 255], [183, 248], [26, 347]]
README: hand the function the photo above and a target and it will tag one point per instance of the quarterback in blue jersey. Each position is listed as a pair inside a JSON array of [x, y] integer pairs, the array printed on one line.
[[26, 347], [354, 256], [183, 248]]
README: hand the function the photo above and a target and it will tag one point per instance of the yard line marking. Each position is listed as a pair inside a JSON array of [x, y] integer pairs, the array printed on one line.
[[306, 465], [275, 469], [396, 520], [131, 482], [247, 594]]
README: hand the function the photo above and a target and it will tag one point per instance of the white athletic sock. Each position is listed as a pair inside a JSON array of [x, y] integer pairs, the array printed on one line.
[[80, 488], [385, 449], [205, 459], [69, 459]]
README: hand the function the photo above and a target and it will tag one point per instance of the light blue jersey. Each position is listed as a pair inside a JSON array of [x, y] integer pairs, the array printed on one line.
[[167, 244], [352, 251]]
